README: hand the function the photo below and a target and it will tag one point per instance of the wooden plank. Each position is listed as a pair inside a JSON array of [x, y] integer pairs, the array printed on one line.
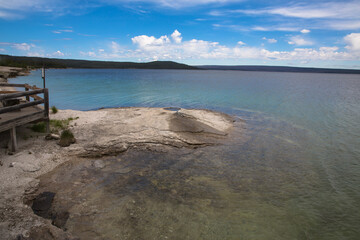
[[36, 97], [31, 87], [13, 139], [20, 94], [22, 120], [4, 92], [11, 85], [19, 106]]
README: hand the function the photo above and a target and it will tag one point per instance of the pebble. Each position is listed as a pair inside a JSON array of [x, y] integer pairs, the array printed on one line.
[[99, 164], [52, 136]]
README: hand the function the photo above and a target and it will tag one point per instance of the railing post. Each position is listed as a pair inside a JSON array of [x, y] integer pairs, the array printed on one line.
[[46, 108], [13, 139], [27, 97]]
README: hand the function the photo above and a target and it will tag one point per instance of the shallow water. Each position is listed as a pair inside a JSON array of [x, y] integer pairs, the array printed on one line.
[[293, 174]]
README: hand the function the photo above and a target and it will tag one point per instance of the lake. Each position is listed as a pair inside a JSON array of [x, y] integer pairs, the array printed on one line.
[[294, 174]]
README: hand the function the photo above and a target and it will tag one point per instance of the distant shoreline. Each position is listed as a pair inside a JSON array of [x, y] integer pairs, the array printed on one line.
[[254, 68], [38, 62]]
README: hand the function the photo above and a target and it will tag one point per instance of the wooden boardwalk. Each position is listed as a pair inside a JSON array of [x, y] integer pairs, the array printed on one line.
[[25, 108]]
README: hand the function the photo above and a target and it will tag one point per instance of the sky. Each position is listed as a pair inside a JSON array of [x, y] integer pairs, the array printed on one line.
[[310, 33]]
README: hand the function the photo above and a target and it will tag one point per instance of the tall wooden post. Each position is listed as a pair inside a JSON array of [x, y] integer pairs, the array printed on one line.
[[43, 75], [13, 139], [46, 108], [27, 97]]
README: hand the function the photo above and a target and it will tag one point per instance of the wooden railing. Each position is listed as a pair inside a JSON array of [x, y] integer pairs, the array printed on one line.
[[31, 92]]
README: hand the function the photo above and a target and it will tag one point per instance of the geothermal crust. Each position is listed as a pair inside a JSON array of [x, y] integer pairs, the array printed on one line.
[[98, 133]]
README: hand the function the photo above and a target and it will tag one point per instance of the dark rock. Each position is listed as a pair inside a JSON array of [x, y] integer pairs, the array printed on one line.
[[59, 219], [42, 204]]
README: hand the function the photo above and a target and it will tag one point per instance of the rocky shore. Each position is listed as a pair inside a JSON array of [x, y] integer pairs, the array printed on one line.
[[101, 133], [11, 72]]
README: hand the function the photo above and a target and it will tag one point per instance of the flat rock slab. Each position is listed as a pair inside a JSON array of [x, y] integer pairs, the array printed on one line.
[[112, 131]]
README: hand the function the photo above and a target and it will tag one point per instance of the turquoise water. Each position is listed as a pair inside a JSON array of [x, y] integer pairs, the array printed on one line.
[[299, 164]]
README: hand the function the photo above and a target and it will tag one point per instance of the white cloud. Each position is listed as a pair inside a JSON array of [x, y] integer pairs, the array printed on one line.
[[299, 41], [11, 9], [2, 50], [338, 10], [176, 36], [305, 31], [149, 48], [64, 39], [35, 54], [8, 15], [146, 42], [62, 31], [116, 48], [177, 3], [57, 54], [337, 15], [241, 43], [353, 41], [89, 54], [344, 24], [270, 40], [276, 28], [22, 46]]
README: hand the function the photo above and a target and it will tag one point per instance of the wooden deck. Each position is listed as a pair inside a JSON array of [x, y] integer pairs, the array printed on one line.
[[24, 110]]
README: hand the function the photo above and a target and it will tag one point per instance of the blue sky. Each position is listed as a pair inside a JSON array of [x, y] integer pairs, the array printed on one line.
[[224, 32]]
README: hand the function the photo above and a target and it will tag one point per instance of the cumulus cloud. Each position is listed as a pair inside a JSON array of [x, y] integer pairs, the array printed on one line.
[[305, 31], [150, 43], [299, 41], [241, 43], [148, 48], [353, 41], [176, 36]]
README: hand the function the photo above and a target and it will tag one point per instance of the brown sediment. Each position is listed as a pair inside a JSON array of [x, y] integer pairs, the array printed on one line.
[[105, 132]]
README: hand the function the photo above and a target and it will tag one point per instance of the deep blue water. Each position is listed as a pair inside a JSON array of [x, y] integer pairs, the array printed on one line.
[[313, 118]]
